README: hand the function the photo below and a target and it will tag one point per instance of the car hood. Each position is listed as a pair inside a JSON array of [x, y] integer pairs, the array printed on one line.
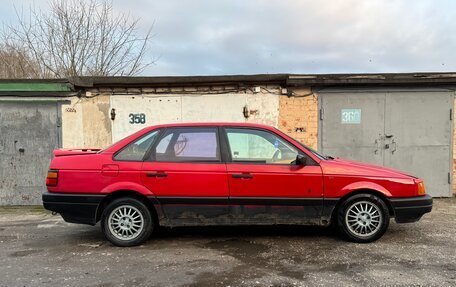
[[348, 167]]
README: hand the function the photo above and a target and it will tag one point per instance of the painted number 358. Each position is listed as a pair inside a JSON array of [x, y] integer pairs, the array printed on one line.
[[137, 118]]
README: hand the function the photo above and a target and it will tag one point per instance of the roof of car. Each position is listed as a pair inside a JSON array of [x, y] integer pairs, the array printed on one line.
[[114, 147], [212, 124]]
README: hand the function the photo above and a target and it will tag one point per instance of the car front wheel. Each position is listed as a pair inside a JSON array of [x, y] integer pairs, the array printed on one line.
[[363, 218], [126, 222]]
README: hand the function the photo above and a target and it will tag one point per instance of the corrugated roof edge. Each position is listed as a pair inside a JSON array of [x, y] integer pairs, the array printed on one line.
[[178, 80], [382, 79], [285, 80], [35, 86], [424, 78]]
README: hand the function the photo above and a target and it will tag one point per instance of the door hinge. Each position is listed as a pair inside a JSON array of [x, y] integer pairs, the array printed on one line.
[[449, 178], [451, 114], [321, 114]]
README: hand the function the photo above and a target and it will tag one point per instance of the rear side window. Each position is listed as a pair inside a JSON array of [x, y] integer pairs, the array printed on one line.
[[188, 145], [137, 149]]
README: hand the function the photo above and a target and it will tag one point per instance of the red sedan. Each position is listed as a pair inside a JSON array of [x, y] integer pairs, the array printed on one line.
[[225, 174]]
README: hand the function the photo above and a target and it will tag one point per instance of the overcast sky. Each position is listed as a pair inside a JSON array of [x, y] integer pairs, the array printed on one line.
[[291, 36]]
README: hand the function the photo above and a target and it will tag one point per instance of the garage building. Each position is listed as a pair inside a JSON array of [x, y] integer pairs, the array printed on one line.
[[404, 121]]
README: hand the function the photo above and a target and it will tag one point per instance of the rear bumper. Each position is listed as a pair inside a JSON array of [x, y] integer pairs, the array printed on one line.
[[410, 209], [74, 208]]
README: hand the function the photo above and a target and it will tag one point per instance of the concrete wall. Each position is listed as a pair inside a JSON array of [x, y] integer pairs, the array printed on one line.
[[87, 120], [28, 135], [264, 106]]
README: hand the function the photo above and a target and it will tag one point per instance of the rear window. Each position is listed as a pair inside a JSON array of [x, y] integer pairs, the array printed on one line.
[[137, 149]]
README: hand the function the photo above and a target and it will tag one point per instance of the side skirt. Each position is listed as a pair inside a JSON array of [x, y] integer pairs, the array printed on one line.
[[207, 211]]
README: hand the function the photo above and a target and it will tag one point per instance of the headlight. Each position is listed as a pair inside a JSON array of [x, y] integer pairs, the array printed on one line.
[[421, 189]]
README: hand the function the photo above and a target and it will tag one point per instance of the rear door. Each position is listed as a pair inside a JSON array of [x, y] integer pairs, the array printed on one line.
[[186, 173], [266, 186]]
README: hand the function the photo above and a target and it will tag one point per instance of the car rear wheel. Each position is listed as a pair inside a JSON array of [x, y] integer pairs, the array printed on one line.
[[127, 222], [363, 218]]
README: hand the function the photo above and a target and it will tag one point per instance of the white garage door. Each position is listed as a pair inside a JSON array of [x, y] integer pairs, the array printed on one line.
[[133, 113]]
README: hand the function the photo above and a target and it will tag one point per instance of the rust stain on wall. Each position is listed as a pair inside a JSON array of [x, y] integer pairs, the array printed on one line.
[[454, 150], [96, 121]]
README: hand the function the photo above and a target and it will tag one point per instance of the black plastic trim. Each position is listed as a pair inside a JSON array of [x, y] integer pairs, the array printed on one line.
[[202, 211], [411, 209], [192, 200], [74, 208], [241, 200]]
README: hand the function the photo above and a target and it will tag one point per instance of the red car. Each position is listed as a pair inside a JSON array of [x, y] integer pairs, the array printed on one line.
[[225, 174]]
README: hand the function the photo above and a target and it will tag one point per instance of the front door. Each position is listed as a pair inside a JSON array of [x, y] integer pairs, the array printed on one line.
[[186, 174], [266, 185]]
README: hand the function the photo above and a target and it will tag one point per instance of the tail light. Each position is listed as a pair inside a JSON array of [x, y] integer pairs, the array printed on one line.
[[52, 178]]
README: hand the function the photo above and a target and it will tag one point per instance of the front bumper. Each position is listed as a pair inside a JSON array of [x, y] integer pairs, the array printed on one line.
[[410, 209], [74, 208]]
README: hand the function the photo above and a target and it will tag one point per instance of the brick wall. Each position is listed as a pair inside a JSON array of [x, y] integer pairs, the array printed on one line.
[[298, 116]]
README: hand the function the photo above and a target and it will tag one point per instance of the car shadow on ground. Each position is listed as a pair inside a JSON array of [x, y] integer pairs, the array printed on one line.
[[163, 234], [245, 231]]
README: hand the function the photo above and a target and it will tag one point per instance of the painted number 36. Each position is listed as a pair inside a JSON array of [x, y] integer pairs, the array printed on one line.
[[137, 118]]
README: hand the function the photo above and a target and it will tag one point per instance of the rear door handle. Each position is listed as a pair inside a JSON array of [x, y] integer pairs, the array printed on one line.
[[156, 174], [242, 175]]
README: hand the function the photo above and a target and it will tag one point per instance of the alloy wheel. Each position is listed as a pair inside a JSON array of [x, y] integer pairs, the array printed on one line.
[[363, 218], [126, 222]]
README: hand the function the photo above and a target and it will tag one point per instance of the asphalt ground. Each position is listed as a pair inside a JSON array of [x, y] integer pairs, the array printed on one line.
[[39, 249]]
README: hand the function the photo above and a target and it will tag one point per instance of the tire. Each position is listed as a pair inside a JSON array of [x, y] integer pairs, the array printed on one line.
[[127, 222], [363, 218]]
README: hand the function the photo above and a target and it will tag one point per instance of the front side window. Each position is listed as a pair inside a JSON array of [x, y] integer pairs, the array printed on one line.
[[136, 150], [257, 146], [187, 145]]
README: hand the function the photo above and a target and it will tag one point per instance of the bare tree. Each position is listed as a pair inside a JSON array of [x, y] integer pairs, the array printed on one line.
[[15, 63], [80, 38]]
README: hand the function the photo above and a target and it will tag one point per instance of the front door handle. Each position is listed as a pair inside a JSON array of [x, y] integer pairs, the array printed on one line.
[[156, 174], [242, 175]]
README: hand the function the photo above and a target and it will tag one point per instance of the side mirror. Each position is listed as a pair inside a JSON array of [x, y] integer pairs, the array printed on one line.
[[301, 160]]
